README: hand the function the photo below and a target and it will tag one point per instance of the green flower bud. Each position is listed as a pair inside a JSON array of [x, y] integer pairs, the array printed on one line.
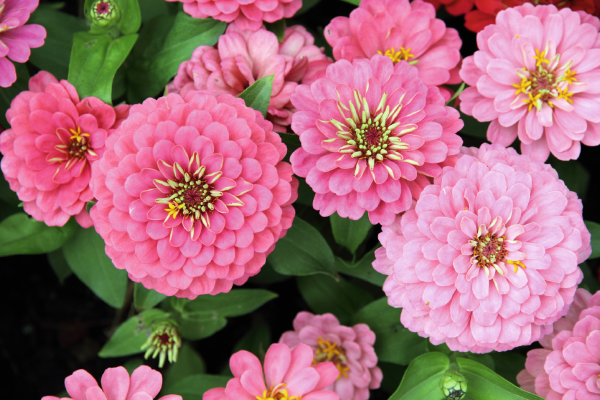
[[454, 385], [105, 13], [164, 340]]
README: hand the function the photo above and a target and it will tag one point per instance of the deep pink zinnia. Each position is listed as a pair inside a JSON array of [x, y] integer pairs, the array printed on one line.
[[289, 375], [349, 348], [248, 14], [535, 76], [372, 133], [403, 31], [144, 384], [192, 193], [53, 141], [568, 367], [488, 258], [242, 57]]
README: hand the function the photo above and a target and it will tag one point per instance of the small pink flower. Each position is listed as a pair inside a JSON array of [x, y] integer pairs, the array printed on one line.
[[349, 348], [144, 384], [242, 57], [568, 367], [372, 133], [192, 193], [488, 257], [289, 375], [404, 31], [535, 76], [53, 141], [16, 38], [248, 14]]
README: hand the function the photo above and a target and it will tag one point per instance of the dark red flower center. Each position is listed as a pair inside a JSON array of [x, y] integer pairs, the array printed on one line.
[[103, 7]]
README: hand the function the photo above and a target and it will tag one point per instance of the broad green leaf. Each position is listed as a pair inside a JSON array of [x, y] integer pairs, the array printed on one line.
[[362, 269], [131, 18], [589, 280], [8, 94], [473, 127], [59, 265], [233, 304], [349, 233], [307, 5], [193, 387], [85, 254], [257, 340], [133, 364], [258, 95], [154, 8], [188, 363], [95, 60], [196, 326], [302, 251], [394, 342], [131, 334], [575, 176], [422, 378], [278, 28], [508, 365], [21, 234], [594, 229], [485, 384], [144, 299]]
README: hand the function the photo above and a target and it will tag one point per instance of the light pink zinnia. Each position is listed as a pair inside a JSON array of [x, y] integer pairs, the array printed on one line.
[[404, 31], [487, 259], [242, 57], [192, 193], [289, 375], [248, 14], [349, 348], [568, 367], [53, 141], [372, 133], [144, 384], [536, 76], [16, 38]]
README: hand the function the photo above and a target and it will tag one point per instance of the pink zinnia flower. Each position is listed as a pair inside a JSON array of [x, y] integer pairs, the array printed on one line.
[[536, 76], [568, 367], [487, 259], [289, 375], [16, 38], [242, 57], [144, 384], [53, 141], [349, 348], [404, 31], [192, 193], [248, 14], [372, 133]]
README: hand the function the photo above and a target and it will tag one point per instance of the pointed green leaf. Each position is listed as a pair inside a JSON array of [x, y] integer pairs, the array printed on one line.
[[144, 299], [422, 378], [258, 95], [362, 269], [349, 233], [59, 265]]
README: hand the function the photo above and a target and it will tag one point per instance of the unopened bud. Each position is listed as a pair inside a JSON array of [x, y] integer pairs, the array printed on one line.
[[164, 341], [105, 13], [454, 385]]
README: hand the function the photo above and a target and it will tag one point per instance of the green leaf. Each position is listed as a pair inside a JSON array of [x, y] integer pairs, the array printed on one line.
[[305, 194], [188, 363], [20, 234], [258, 95], [131, 18], [307, 5], [325, 294], [193, 387], [460, 89], [302, 251], [594, 229], [355, 2], [473, 127], [59, 265], [85, 254], [589, 281], [131, 334], [95, 60], [485, 384], [575, 176], [155, 8], [394, 343], [144, 299], [362, 269], [9, 93], [256, 341], [422, 378], [349, 233], [278, 28], [291, 141], [133, 364], [508, 365]]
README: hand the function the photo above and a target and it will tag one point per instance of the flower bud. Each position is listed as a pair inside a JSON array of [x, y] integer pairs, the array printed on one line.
[[105, 13], [163, 340], [454, 385]]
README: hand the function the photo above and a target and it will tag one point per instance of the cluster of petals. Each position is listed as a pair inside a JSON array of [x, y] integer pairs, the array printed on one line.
[[372, 135], [404, 31], [192, 193], [488, 257], [16, 38], [48, 151], [287, 375], [144, 384], [535, 76], [349, 348], [242, 57], [248, 14], [568, 365]]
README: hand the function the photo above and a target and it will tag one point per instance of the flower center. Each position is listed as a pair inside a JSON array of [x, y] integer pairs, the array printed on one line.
[[75, 146], [103, 7], [400, 55], [489, 249], [327, 351], [277, 393]]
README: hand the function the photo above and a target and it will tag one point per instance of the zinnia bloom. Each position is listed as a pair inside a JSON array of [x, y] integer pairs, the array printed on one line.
[[242, 57], [349, 348], [404, 31], [192, 193], [568, 367], [289, 375], [536, 76], [53, 141], [16, 38], [248, 14], [372, 133], [488, 257], [144, 384]]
